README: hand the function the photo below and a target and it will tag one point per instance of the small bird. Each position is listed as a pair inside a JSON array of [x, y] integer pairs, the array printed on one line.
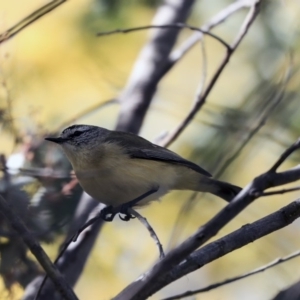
[[117, 167]]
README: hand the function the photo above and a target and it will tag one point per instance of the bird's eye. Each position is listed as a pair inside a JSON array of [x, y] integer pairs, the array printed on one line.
[[77, 133]]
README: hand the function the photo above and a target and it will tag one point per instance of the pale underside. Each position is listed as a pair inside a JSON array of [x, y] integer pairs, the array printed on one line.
[[116, 175], [118, 183]]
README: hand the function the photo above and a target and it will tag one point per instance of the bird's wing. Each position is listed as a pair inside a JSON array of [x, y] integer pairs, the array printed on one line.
[[164, 155], [138, 147]]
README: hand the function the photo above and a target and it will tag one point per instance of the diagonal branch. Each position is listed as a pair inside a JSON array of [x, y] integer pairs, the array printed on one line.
[[17, 224], [166, 26], [270, 265], [11, 32], [279, 192], [239, 238], [285, 155]]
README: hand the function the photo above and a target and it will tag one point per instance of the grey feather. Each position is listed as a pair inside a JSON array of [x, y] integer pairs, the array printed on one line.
[[138, 147]]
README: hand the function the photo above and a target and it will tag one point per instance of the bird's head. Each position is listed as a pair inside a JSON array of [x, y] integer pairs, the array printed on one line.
[[79, 140]]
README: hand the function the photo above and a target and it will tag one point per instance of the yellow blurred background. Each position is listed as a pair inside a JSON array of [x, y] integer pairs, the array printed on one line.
[[57, 68]]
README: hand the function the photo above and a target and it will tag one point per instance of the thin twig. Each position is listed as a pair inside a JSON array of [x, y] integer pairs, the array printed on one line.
[[219, 18], [17, 224], [11, 32], [200, 101], [285, 155], [279, 192], [144, 221], [166, 26], [233, 279]]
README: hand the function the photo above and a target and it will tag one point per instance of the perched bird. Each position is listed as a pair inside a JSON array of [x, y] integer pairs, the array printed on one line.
[[117, 167]]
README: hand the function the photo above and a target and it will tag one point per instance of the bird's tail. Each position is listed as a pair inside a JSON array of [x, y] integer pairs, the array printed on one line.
[[224, 190], [190, 180]]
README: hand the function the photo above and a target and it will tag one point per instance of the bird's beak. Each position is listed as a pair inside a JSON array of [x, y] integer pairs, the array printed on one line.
[[57, 140]]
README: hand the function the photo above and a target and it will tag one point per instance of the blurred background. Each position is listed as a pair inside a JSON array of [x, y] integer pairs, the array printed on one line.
[[57, 72]]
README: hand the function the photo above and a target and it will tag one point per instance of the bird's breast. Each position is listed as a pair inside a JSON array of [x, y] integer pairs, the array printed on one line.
[[120, 180]]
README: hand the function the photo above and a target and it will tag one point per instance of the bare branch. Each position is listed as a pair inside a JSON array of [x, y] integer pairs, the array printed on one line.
[[11, 32], [166, 26], [233, 241], [233, 279], [17, 224], [200, 101], [144, 221]]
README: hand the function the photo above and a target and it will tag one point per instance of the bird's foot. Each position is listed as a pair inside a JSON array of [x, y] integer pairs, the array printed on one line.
[[108, 213], [124, 211]]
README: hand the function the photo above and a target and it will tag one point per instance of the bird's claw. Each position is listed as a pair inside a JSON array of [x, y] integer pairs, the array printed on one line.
[[127, 217], [124, 211], [107, 213]]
